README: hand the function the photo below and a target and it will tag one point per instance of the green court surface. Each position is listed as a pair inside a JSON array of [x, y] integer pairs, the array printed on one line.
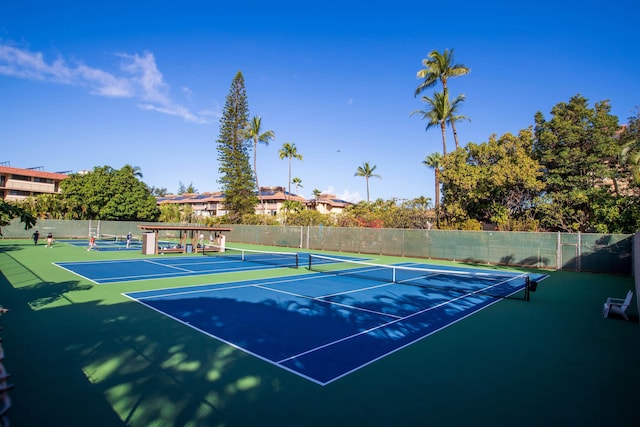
[[83, 354]]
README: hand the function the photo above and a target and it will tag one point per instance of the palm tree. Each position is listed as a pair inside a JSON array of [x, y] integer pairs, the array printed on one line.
[[297, 182], [254, 132], [366, 171], [186, 190], [133, 170], [289, 151], [433, 161], [438, 113], [454, 117], [440, 67], [316, 193]]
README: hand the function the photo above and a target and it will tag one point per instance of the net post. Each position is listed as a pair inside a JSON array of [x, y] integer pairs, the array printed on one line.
[[297, 264], [310, 255], [527, 290]]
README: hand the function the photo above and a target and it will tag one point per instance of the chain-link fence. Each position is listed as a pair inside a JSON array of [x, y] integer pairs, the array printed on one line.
[[602, 253]]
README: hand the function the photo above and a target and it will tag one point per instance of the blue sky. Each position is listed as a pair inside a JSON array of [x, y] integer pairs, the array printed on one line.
[[86, 84]]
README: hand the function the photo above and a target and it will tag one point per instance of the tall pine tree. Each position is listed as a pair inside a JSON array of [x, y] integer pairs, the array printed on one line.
[[236, 178]]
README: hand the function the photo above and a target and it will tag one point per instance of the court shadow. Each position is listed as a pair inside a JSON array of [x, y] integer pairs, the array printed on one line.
[[10, 248], [45, 293]]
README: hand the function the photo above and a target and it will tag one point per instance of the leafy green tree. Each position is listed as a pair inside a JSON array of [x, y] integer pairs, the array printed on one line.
[[182, 189], [289, 151], [440, 67], [420, 203], [368, 214], [310, 218], [366, 171], [187, 214], [189, 189], [387, 213], [9, 211], [254, 219], [253, 131], [158, 191], [169, 212], [578, 149], [236, 177], [496, 181], [630, 140], [109, 194], [290, 207], [48, 206]]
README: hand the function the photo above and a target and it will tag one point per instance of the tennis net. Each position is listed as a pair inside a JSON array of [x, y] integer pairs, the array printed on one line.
[[116, 238], [498, 285], [282, 259]]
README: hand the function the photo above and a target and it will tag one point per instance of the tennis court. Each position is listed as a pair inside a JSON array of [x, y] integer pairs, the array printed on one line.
[[107, 243], [232, 260], [325, 326], [88, 354], [113, 271]]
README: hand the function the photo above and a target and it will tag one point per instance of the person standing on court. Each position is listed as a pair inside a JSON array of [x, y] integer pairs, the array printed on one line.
[[49, 239], [128, 240], [36, 236], [92, 243]]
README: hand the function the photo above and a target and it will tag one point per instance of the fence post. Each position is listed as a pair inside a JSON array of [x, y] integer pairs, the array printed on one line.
[[635, 266], [558, 252]]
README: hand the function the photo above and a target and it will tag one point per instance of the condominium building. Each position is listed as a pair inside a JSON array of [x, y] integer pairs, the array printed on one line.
[[272, 200], [328, 204], [18, 184]]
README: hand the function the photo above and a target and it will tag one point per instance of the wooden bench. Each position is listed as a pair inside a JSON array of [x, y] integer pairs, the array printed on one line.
[[171, 251]]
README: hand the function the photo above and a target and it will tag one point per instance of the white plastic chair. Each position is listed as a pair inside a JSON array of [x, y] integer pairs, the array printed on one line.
[[617, 305]]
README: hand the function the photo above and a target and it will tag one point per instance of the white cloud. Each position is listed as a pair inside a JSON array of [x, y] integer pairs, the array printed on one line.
[[349, 196], [103, 84], [353, 197], [141, 79], [145, 74]]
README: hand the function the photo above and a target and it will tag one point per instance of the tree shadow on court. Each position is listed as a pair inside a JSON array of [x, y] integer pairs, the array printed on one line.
[[124, 364], [10, 248], [34, 289], [46, 293]]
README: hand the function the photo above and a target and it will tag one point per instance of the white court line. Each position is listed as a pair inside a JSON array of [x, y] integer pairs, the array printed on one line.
[[154, 276], [168, 266], [74, 273]]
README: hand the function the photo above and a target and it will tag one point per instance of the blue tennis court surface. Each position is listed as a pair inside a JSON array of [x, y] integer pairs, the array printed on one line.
[[105, 245], [114, 271], [319, 326]]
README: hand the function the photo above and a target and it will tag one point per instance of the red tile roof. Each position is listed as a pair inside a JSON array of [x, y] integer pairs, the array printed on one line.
[[32, 172]]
